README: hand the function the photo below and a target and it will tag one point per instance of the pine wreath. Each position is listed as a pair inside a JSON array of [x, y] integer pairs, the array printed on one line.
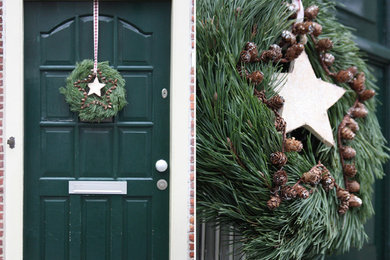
[[236, 135], [95, 108]]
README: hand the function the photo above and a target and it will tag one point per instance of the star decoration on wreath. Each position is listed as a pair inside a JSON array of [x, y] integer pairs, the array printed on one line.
[[95, 87], [307, 99]]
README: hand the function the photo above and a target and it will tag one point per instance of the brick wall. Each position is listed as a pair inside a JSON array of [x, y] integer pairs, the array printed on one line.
[[192, 139]]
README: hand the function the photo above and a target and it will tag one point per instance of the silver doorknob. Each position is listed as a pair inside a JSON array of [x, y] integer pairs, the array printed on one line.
[[161, 165], [162, 184]]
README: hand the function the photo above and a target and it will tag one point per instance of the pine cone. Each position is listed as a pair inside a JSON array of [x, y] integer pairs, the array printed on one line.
[[278, 158], [350, 170], [299, 29], [359, 111], [280, 124], [347, 133], [343, 208], [288, 193], [245, 57], [317, 29], [344, 76], [274, 53], [358, 82], [353, 186], [313, 176], [354, 201], [352, 124], [273, 202], [327, 182], [353, 70], [348, 152], [261, 96], [366, 94], [309, 26], [328, 59], [240, 71], [280, 178], [251, 48], [343, 195], [276, 102], [311, 12], [302, 192], [294, 51], [324, 44], [288, 37], [215, 97], [293, 145], [256, 77]]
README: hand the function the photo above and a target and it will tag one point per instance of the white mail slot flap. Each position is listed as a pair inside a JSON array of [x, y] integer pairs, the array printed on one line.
[[97, 187]]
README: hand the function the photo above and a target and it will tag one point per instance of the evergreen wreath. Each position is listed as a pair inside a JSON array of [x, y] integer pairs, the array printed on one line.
[[236, 135], [92, 107]]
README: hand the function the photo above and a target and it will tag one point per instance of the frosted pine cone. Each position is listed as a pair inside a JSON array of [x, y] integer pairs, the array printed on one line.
[[347, 133], [299, 28], [353, 186], [350, 170], [280, 124], [317, 29], [273, 202], [344, 76], [352, 124], [366, 94], [343, 208], [288, 193], [256, 77], [280, 178], [359, 111], [313, 176], [353, 70], [311, 12], [288, 37], [343, 195], [348, 152], [358, 82], [294, 51], [251, 48], [278, 158], [276, 102], [327, 182], [302, 192], [328, 59], [354, 201], [324, 45], [293, 145]]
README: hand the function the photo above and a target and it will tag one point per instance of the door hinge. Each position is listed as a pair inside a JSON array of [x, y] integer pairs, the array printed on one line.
[[11, 142]]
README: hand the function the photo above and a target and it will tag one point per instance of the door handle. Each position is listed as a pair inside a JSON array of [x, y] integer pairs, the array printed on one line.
[[11, 142], [161, 165]]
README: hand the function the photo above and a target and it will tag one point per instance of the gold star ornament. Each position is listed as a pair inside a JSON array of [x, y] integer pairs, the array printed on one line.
[[95, 87], [307, 100]]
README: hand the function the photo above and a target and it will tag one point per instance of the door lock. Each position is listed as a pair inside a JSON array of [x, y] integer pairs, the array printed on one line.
[[11, 142], [162, 184]]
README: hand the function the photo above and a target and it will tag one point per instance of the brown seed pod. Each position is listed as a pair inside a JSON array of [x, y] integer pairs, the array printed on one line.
[[348, 152], [251, 48], [327, 182], [288, 38], [317, 29], [347, 133], [328, 59], [359, 111], [256, 77], [354, 201], [350, 170], [358, 82], [302, 192], [313, 176], [245, 57], [278, 158], [343, 195], [344, 76], [366, 94], [343, 208], [309, 28], [352, 186], [242, 72], [276, 102], [274, 53], [280, 124], [274, 202], [311, 12], [293, 145], [215, 97], [288, 193], [280, 178], [261, 96], [324, 44], [352, 124], [299, 29]]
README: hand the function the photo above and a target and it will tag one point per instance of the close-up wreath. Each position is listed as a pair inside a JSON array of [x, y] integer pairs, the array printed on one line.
[[288, 142]]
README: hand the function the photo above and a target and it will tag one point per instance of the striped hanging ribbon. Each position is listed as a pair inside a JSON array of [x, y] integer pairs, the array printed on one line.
[[95, 33]]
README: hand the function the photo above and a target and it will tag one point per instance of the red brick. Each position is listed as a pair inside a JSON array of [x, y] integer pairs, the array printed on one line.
[[192, 246], [191, 236]]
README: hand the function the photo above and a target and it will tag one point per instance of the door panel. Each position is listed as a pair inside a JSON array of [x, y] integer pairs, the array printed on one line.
[[134, 38]]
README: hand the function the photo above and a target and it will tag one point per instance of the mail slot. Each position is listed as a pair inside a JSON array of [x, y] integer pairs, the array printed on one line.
[[97, 187]]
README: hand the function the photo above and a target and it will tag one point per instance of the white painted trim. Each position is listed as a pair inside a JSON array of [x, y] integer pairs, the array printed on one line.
[[179, 135], [13, 126], [180, 131]]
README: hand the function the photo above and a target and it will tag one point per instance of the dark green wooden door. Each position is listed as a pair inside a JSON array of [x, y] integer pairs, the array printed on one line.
[[135, 39]]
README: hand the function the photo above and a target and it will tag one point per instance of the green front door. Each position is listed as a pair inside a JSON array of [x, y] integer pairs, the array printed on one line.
[[135, 38]]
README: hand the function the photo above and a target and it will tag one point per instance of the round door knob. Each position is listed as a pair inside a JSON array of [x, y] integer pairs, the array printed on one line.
[[162, 184], [161, 165]]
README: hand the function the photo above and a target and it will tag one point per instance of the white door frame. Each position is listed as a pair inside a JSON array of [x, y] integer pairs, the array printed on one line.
[[179, 133]]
